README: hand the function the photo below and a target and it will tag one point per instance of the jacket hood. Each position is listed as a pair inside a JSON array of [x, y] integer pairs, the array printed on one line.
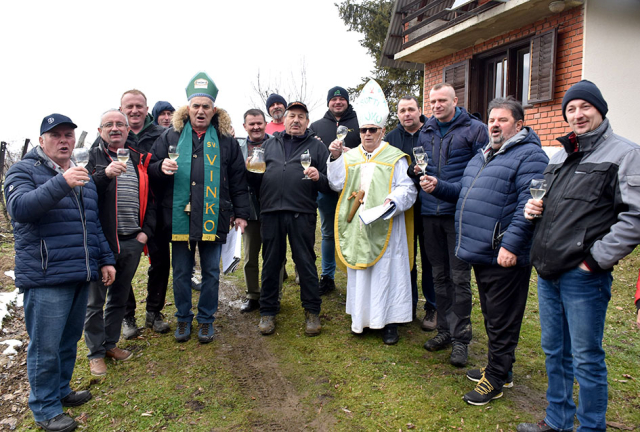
[[159, 107], [348, 114], [525, 136], [463, 119], [221, 120], [587, 141]]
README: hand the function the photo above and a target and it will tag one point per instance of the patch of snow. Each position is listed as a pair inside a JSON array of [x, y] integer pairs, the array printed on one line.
[[11, 349], [6, 299]]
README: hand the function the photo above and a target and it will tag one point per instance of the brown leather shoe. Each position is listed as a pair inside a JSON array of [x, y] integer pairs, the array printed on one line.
[[312, 322], [119, 354], [430, 320], [97, 367]]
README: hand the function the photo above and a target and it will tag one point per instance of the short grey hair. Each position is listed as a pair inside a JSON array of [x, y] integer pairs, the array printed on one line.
[[126, 120]]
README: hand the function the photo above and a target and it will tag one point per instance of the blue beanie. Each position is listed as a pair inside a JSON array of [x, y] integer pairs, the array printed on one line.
[[337, 91], [158, 108], [588, 91], [273, 98]]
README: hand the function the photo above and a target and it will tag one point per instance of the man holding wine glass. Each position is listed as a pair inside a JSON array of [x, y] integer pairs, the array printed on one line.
[[588, 220], [198, 194], [60, 248], [288, 209], [127, 215], [494, 236]]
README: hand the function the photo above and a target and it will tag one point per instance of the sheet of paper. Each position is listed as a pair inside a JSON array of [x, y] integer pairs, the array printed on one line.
[[231, 251], [375, 213]]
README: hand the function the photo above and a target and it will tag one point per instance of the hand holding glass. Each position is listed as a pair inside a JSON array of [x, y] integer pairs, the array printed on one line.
[[341, 133], [305, 160], [421, 158], [81, 158], [123, 156], [538, 189]]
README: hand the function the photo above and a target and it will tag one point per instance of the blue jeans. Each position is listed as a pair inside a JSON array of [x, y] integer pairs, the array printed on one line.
[[54, 317], [183, 261], [572, 314], [327, 208]]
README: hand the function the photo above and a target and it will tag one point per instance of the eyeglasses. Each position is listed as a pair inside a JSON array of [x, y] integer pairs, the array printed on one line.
[[109, 125], [371, 130]]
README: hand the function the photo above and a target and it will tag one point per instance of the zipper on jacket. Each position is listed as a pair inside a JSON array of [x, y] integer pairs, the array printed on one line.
[[84, 233], [44, 254], [464, 200]]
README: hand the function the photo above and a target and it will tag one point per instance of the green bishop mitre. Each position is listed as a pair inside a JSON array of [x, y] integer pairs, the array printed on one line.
[[201, 85]]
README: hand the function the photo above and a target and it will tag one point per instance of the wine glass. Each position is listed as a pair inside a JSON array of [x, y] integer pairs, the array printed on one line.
[[81, 158], [421, 158], [538, 189], [305, 160], [123, 156], [173, 153], [341, 133]]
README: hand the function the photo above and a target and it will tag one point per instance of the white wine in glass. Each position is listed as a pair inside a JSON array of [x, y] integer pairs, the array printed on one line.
[[305, 160], [81, 158], [341, 133], [421, 158], [123, 155], [173, 152], [538, 189]]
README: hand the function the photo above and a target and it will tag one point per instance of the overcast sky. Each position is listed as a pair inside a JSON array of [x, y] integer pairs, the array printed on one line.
[[78, 57]]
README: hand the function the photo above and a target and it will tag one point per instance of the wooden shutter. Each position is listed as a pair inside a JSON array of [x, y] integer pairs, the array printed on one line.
[[543, 66], [458, 76]]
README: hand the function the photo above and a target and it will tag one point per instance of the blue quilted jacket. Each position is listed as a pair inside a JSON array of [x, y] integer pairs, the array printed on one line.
[[449, 155], [58, 237], [490, 200]]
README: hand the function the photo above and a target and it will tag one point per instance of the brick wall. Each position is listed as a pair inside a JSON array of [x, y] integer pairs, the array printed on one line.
[[545, 118]]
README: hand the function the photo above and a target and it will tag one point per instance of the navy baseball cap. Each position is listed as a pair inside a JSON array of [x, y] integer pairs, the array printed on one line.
[[53, 120]]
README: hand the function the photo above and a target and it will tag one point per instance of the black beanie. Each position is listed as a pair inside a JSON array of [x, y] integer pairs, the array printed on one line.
[[585, 90], [337, 91], [273, 98]]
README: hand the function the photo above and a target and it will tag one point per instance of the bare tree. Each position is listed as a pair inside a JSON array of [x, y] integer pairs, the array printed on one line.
[[296, 88]]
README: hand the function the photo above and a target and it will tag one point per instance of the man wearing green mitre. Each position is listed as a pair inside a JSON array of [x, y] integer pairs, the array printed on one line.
[[199, 193], [377, 255]]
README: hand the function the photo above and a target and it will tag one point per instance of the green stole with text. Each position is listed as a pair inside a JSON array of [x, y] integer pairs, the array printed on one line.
[[182, 185], [360, 246]]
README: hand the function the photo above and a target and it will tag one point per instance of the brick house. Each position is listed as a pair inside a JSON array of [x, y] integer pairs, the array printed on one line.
[[531, 49]]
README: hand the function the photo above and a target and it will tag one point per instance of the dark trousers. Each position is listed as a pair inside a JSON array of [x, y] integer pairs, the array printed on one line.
[[451, 278], [301, 230], [503, 297], [160, 257], [104, 319], [428, 290]]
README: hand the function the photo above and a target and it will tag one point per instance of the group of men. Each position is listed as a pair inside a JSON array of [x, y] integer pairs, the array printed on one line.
[[184, 185]]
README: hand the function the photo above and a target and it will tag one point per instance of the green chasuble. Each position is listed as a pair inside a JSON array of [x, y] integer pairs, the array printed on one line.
[[182, 185], [360, 246]]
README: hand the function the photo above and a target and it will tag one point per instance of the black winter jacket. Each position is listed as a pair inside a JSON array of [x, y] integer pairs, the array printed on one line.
[[403, 140], [99, 159], [281, 186], [234, 198], [326, 127]]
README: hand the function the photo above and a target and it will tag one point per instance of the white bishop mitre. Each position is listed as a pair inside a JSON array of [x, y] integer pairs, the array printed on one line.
[[371, 106]]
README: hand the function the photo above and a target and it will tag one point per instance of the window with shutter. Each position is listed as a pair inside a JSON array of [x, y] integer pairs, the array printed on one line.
[[458, 76], [543, 66]]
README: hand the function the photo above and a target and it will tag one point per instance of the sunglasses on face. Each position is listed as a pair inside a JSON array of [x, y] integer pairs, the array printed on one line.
[[371, 130]]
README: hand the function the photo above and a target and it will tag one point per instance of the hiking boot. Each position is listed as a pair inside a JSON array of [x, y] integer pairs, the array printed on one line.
[[439, 342], [183, 331], [483, 393], [326, 285], [249, 305], [312, 322], [267, 324], [390, 334], [205, 332], [541, 426], [76, 398], [60, 423], [477, 374], [97, 367], [130, 328], [155, 321], [430, 320], [119, 354], [459, 354]]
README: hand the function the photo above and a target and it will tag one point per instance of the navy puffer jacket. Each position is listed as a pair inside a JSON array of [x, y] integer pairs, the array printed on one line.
[[58, 240], [449, 155], [490, 200]]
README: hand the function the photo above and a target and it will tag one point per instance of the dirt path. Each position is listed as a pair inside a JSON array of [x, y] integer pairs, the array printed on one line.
[[257, 372]]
